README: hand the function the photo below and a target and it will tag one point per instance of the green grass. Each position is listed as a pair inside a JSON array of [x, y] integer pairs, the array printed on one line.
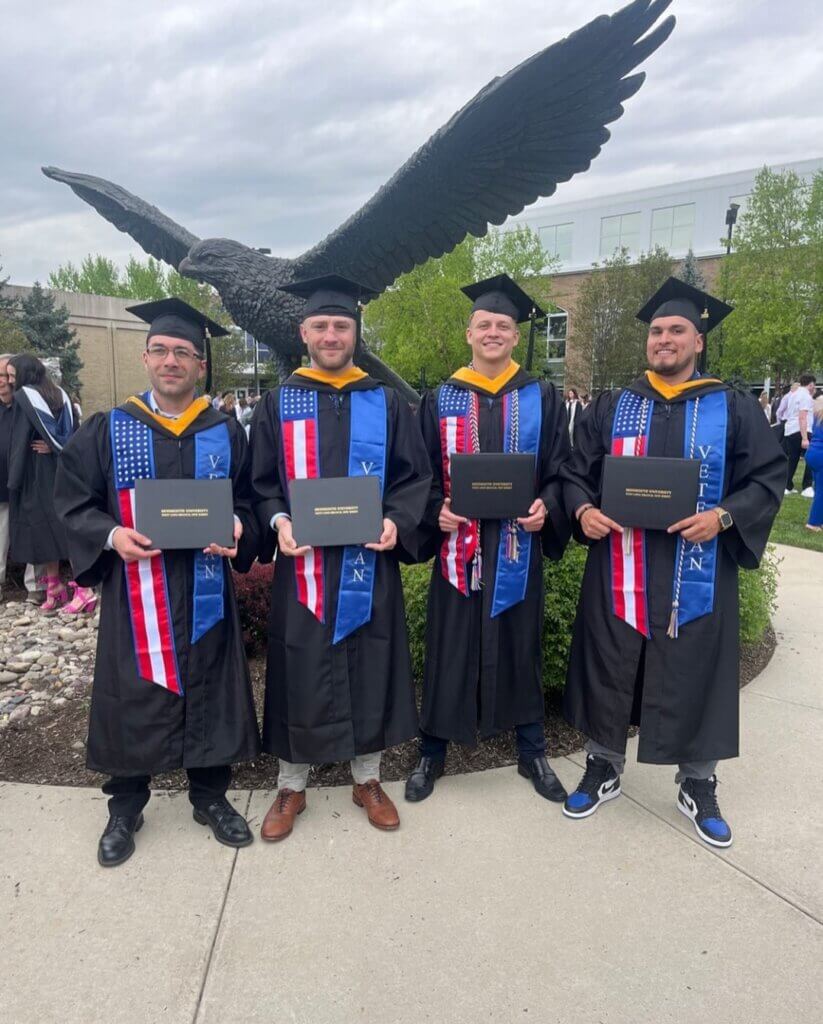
[[790, 525]]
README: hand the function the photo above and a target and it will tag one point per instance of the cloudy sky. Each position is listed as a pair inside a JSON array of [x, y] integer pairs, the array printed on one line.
[[271, 122]]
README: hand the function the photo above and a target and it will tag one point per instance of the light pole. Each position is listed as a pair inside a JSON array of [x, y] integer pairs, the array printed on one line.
[[731, 220]]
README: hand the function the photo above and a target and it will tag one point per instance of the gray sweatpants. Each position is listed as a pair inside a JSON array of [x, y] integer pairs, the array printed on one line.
[[687, 770]]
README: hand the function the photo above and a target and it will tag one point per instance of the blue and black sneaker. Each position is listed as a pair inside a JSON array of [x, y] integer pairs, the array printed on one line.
[[697, 801], [600, 782]]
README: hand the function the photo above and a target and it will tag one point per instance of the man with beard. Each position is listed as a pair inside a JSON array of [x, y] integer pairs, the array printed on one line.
[[338, 672], [656, 636], [483, 671], [171, 684]]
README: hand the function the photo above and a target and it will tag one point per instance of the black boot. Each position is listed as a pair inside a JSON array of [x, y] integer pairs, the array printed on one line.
[[543, 779], [420, 783], [228, 825], [117, 842]]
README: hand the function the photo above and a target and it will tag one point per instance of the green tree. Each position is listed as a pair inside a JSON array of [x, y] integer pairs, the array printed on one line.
[[691, 273], [774, 279], [11, 337], [149, 279], [418, 326], [607, 343], [45, 326]]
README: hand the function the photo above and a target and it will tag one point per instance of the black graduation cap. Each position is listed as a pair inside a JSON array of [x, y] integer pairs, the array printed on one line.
[[500, 294], [676, 298], [174, 318], [330, 295]]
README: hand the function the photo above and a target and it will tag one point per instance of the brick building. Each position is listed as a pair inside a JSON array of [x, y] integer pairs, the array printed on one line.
[[111, 344]]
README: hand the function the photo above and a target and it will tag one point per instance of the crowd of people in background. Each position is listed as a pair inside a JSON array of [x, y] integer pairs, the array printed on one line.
[[241, 408], [796, 416], [37, 417]]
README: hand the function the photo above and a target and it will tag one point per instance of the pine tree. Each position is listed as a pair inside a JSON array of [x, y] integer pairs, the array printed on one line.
[[47, 332], [691, 272], [11, 339]]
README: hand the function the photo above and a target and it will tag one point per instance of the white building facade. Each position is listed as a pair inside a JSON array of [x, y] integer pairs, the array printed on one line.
[[681, 216]]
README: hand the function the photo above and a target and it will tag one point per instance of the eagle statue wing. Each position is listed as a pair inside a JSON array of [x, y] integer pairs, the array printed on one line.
[[156, 233], [515, 141]]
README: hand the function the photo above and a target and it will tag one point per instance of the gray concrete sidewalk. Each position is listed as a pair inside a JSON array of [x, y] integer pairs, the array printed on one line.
[[486, 905]]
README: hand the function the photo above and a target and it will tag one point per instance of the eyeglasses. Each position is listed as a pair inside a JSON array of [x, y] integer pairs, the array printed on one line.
[[182, 355]]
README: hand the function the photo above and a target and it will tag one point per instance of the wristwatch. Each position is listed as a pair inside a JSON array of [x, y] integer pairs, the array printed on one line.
[[725, 518]]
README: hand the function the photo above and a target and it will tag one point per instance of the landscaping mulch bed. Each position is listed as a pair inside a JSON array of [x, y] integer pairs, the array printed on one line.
[[49, 749]]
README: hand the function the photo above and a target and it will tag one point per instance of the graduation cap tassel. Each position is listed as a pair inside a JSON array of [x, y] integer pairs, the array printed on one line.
[[208, 363], [530, 349], [704, 330]]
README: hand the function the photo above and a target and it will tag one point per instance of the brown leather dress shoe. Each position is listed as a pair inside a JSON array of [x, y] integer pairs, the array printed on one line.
[[279, 820], [381, 811]]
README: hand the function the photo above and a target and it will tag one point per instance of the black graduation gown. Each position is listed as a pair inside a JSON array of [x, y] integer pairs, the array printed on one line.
[[137, 727], [484, 674], [683, 693], [329, 702], [36, 534]]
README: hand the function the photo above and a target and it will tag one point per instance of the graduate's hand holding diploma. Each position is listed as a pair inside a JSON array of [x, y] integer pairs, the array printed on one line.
[[698, 528], [388, 538], [131, 545], [286, 542], [535, 520], [595, 525], [216, 549], [447, 520]]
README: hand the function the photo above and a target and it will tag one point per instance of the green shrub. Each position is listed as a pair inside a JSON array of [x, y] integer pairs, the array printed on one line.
[[758, 592], [758, 597]]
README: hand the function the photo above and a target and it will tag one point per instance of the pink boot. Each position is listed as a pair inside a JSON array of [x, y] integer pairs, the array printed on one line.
[[56, 595], [83, 602]]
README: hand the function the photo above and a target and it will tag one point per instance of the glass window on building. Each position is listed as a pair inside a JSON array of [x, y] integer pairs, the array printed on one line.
[[556, 240], [619, 232], [673, 227], [557, 328]]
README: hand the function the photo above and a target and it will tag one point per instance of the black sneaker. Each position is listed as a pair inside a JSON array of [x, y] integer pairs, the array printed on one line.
[[697, 800], [600, 782]]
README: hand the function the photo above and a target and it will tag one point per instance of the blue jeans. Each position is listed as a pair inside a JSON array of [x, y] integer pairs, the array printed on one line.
[[816, 511], [531, 742]]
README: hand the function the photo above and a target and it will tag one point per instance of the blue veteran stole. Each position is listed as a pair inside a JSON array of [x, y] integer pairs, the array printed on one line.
[[367, 457], [695, 566], [133, 456], [696, 563], [522, 418]]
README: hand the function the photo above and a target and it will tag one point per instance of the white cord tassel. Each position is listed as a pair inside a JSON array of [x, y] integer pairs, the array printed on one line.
[[477, 570], [672, 631]]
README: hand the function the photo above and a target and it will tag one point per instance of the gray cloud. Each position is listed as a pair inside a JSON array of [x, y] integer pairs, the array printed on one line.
[[271, 123]]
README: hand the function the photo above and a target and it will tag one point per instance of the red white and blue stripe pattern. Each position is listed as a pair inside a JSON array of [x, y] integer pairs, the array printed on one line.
[[145, 579], [630, 437], [298, 418], [459, 546]]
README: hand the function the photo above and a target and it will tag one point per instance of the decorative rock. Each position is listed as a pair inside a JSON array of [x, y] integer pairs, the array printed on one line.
[[78, 745], [67, 634], [7, 677], [29, 656], [47, 659], [59, 702], [36, 710], [17, 667], [22, 622], [19, 714]]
